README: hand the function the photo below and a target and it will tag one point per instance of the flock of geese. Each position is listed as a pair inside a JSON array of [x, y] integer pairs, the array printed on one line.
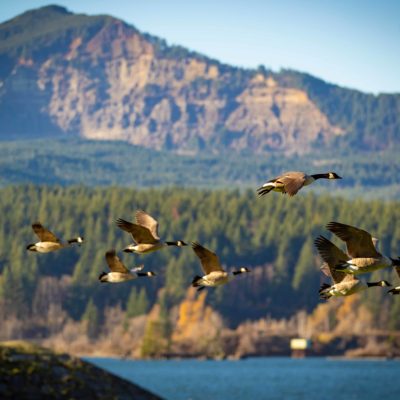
[[362, 255]]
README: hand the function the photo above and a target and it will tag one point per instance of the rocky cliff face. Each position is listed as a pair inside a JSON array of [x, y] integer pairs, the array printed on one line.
[[100, 78]]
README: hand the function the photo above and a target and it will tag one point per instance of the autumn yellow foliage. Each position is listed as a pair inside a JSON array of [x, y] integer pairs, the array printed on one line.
[[193, 316]]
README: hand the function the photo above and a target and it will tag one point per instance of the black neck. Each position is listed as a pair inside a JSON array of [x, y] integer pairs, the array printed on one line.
[[237, 272], [319, 176], [369, 284], [171, 243]]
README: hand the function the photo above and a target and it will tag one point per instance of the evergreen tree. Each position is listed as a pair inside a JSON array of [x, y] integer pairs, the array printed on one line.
[[92, 320], [137, 304]]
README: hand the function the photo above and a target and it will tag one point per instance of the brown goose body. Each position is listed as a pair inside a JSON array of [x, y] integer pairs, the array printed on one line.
[[214, 274], [396, 290], [118, 272], [361, 247], [48, 242], [343, 284], [145, 234], [292, 181]]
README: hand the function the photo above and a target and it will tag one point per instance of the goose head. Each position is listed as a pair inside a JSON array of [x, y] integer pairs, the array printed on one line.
[[78, 240], [333, 175], [178, 243], [31, 247], [241, 270], [103, 277]]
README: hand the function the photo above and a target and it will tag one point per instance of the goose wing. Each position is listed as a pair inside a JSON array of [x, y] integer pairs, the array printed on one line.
[[140, 233], [332, 256], [43, 234], [209, 260], [359, 242], [114, 263], [146, 220], [347, 278], [292, 181], [348, 282]]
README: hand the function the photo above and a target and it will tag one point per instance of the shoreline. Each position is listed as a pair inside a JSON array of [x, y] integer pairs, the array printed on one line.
[[189, 358]]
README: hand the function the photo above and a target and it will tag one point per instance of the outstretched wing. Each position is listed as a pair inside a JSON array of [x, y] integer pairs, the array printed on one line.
[[359, 242], [146, 220], [332, 256], [139, 233], [209, 260], [114, 263], [44, 234], [292, 181]]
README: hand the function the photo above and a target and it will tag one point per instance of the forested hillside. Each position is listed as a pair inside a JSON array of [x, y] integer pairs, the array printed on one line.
[[93, 163], [273, 236]]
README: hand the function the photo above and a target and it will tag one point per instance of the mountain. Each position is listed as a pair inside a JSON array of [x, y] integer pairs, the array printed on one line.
[[99, 78]]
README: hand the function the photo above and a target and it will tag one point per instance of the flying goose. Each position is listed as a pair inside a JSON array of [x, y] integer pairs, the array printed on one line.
[[214, 273], [361, 247], [145, 234], [119, 273], [396, 290], [48, 241], [291, 182], [343, 284]]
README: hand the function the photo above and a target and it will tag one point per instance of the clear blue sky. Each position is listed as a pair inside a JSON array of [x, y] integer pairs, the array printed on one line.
[[354, 43]]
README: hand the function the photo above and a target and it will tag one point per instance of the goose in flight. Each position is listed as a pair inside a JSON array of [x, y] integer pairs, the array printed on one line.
[[145, 234], [396, 290], [291, 182], [48, 241], [214, 274], [361, 247], [343, 284], [119, 273]]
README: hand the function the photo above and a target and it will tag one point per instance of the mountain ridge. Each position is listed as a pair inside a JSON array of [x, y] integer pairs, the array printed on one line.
[[101, 78]]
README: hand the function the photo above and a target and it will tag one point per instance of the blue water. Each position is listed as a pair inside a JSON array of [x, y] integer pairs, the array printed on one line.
[[262, 378]]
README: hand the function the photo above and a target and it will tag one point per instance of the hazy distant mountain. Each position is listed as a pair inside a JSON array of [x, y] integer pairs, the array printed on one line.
[[99, 78]]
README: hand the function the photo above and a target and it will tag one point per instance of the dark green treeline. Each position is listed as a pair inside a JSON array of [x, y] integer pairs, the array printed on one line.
[[273, 236]]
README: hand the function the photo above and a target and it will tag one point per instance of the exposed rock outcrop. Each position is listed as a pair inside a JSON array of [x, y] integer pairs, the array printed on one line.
[[31, 372]]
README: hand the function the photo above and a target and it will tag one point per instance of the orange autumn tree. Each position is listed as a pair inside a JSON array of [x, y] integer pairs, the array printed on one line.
[[198, 326]]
